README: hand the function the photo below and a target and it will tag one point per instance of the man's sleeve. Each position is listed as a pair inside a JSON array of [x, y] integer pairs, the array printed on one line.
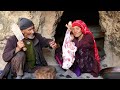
[[9, 51], [44, 42]]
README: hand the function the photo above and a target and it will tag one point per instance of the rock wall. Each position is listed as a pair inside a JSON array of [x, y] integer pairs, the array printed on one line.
[[45, 23], [110, 23]]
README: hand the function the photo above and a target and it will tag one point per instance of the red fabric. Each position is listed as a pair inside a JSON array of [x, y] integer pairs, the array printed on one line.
[[85, 30]]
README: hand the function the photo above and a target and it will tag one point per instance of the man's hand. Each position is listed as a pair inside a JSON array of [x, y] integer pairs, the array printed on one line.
[[20, 45], [53, 44]]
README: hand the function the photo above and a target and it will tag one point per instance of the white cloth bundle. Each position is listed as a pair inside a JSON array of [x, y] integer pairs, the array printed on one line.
[[17, 32], [68, 51]]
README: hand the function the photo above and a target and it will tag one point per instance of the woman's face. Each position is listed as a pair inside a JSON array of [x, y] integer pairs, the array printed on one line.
[[77, 31]]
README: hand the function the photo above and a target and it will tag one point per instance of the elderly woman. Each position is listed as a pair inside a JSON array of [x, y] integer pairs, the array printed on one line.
[[86, 57]]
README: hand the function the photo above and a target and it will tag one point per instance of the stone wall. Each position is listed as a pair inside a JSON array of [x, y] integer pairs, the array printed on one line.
[[45, 23], [110, 23]]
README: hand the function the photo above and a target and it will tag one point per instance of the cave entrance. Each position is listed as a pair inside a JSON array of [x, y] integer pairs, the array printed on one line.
[[91, 18]]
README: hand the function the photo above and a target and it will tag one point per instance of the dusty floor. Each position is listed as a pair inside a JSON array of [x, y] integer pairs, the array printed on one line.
[[61, 74]]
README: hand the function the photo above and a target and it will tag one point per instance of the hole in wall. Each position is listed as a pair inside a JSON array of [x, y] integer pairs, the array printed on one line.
[[91, 18]]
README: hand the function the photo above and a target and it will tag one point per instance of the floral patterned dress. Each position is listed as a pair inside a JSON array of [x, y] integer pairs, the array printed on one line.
[[84, 57]]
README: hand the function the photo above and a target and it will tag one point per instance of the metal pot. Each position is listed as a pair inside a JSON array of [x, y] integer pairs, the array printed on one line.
[[110, 73]]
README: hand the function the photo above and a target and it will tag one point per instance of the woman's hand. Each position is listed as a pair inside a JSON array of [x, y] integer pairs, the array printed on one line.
[[69, 25]]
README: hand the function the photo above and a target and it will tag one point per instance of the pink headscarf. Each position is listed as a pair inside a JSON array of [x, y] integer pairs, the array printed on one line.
[[85, 30]]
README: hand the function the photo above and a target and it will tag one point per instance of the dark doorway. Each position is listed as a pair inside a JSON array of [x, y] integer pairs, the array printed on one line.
[[91, 18]]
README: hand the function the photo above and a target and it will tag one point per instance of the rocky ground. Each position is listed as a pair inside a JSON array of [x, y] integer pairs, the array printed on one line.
[[61, 74]]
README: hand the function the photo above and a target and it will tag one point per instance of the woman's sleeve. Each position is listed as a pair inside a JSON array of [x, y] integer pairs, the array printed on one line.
[[87, 42], [86, 56]]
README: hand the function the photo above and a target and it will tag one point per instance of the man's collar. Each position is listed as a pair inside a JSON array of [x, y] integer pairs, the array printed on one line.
[[35, 41]]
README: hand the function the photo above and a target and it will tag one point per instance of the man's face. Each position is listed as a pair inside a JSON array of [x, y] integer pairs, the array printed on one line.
[[29, 32]]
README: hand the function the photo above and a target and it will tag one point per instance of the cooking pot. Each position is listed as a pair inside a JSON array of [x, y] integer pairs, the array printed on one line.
[[110, 73]]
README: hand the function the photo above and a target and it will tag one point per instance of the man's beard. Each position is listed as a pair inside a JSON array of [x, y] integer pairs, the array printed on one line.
[[31, 36]]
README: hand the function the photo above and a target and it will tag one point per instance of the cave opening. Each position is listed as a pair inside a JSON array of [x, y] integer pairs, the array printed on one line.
[[91, 18]]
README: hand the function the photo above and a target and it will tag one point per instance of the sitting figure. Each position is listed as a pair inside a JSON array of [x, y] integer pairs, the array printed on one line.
[[86, 57], [19, 60]]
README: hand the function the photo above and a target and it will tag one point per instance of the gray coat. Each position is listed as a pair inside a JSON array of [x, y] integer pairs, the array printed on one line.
[[9, 51]]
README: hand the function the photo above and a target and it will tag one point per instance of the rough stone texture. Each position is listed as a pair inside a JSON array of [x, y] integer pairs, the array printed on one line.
[[2, 63], [45, 23], [110, 23]]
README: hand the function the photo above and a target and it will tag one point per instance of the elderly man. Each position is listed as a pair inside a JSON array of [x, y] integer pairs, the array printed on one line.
[[20, 61]]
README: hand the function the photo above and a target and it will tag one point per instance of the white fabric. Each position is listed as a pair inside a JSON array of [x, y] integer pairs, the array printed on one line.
[[68, 51], [17, 32]]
